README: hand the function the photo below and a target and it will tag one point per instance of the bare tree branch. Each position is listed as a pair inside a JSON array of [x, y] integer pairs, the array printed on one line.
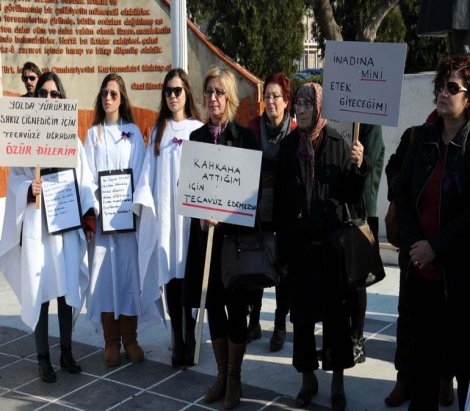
[[326, 20], [370, 30]]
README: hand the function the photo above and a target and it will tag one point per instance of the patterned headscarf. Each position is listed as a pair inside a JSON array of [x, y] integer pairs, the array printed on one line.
[[310, 138]]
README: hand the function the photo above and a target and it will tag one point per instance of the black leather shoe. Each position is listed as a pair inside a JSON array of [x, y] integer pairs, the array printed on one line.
[[277, 340], [446, 391], [253, 333], [68, 363], [306, 393], [338, 402], [46, 372]]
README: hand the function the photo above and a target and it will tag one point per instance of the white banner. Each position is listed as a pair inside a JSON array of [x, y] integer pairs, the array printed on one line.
[[219, 182], [362, 81], [36, 132]]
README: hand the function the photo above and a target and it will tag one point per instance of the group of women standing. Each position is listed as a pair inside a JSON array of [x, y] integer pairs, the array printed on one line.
[[123, 275], [309, 175]]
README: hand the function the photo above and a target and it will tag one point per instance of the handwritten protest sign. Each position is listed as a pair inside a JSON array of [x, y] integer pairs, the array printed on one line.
[[36, 132], [116, 188], [61, 201], [219, 182], [362, 81]]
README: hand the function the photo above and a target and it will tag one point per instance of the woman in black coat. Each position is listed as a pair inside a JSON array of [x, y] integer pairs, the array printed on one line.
[[433, 199], [226, 308], [318, 173]]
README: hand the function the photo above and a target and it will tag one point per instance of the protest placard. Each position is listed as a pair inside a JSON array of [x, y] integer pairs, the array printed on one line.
[[219, 182], [362, 81], [61, 200], [116, 188], [36, 132]]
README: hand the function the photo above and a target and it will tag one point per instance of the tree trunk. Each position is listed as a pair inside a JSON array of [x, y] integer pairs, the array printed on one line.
[[370, 31], [326, 20]]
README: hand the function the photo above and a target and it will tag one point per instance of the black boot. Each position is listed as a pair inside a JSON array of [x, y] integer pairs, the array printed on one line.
[[67, 361], [308, 390], [338, 396], [46, 372]]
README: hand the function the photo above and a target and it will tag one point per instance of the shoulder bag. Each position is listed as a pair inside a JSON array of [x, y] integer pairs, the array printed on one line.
[[358, 251], [249, 259]]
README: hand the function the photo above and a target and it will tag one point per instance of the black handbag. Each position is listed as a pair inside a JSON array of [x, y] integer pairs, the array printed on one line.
[[358, 252], [249, 259]]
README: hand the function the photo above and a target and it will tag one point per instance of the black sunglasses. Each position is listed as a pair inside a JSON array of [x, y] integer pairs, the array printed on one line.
[[452, 87], [173, 90], [218, 92], [26, 78], [42, 92], [112, 93]]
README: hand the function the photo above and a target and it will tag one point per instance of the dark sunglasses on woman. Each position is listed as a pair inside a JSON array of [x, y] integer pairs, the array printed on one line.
[[42, 92], [173, 90], [452, 88], [112, 93]]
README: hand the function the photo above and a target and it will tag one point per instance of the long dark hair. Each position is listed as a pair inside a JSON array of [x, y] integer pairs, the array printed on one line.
[[49, 76], [164, 112], [125, 109]]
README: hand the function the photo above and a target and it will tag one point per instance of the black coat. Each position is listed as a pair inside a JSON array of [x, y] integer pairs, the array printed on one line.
[[303, 234], [452, 242], [237, 136]]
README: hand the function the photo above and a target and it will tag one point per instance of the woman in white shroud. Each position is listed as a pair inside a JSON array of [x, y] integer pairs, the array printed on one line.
[[163, 234], [114, 143], [40, 266]]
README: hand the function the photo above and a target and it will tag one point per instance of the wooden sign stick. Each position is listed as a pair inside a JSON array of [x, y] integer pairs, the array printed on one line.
[[205, 282], [356, 132], [37, 176]]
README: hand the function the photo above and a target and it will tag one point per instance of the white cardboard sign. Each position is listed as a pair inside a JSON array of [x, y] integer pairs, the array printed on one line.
[[36, 132], [219, 182], [362, 81]]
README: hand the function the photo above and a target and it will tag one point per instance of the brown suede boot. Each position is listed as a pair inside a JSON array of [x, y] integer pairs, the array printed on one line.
[[134, 352], [217, 391], [234, 387], [112, 339], [397, 396]]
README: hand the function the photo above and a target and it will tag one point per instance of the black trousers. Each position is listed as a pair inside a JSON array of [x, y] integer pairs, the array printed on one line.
[[41, 332], [182, 321], [229, 319], [429, 337]]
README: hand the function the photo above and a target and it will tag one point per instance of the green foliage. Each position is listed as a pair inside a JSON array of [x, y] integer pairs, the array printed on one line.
[[297, 83], [399, 25], [424, 53], [264, 36]]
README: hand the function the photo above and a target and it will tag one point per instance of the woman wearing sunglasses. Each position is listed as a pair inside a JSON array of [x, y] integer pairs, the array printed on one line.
[[163, 234], [433, 199], [115, 144], [41, 266], [226, 308]]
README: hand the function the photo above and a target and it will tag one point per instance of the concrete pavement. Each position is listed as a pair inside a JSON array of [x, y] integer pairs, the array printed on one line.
[[270, 381]]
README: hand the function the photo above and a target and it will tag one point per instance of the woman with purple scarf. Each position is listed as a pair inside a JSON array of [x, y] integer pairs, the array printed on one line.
[[317, 174], [226, 308]]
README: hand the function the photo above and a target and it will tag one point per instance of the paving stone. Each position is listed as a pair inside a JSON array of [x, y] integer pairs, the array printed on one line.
[[6, 359], [8, 334], [143, 375], [23, 346], [150, 401], [17, 401], [18, 373]]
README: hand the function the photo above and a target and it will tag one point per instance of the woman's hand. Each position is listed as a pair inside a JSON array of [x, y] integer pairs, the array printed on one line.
[[205, 224], [36, 186], [357, 153], [422, 254]]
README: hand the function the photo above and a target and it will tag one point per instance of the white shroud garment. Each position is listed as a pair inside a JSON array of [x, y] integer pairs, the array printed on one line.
[[40, 266], [114, 285], [163, 234]]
